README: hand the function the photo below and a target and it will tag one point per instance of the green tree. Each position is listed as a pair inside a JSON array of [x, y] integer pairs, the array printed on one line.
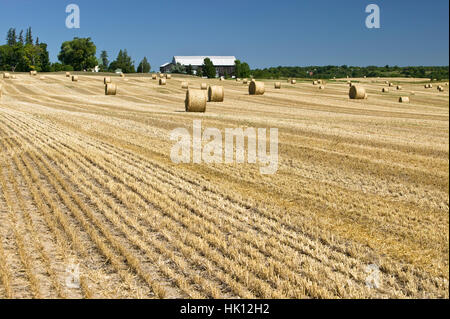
[[104, 59], [123, 62], [79, 53], [208, 68], [237, 68], [29, 37], [11, 38], [189, 69], [21, 40], [199, 71], [144, 66]]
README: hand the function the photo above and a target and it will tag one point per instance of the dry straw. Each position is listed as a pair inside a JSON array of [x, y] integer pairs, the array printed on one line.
[[215, 93], [110, 89], [195, 101], [277, 85], [162, 81], [0, 90], [107, 79], [256, 88], [293, 81], [74, 78], [203, 86], [357, 92], [403, 99], [184, 85]]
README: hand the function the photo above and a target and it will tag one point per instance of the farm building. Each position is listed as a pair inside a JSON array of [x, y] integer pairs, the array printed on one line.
[[224, 64]]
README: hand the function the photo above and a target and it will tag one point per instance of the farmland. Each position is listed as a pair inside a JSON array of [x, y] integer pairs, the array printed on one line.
[[86, 179]]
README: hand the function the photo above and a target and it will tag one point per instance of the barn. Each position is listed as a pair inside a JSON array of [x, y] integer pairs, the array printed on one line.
[[224, 64]]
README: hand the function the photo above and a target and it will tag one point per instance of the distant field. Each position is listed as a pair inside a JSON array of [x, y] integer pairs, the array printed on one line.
[[87, 179]]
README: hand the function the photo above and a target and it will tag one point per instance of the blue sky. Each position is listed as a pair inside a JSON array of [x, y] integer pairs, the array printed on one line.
[[262, 33]]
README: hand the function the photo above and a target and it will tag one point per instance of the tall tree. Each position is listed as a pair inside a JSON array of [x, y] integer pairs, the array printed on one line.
[[79, 53], [144, 66], [21, 40], [104, 58], [29, 36], [208, 68], [11, 38]]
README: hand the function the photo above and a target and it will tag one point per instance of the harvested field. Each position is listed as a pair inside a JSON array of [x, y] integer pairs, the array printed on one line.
[[86, 179]]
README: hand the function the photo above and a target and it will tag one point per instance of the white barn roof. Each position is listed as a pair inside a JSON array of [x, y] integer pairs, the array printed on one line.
[[198, 60]]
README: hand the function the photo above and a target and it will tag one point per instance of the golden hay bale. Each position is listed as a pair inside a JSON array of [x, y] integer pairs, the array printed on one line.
[[107, 79], [13, 77], [6, 75], [440, 88], [168, 76], [110, 89], [391, 84], [399, 87], [195, 101], [315, 82], [293, 81], [430, 86], [277, 85], [33, 73], [184, 85], [215, 93], [256, 88], [153, 76], [221, 78], [203, 86], [238, 80], [67, 74], [319, 81], [74, 78], [245, 81], [322, 87], [357, 92], [403, 99], [122, 75], [350, 84], [386, 82], [161, 75], [162, 81], [446, 84], [385, 90]]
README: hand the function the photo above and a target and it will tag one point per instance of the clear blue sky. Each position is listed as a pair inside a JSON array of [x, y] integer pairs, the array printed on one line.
[[260, 32]]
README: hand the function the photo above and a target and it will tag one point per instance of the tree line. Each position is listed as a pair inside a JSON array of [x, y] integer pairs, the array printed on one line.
[[330, 71]]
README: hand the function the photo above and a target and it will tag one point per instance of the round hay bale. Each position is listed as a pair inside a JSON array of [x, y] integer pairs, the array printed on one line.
[[430, 86], [161, 75], [168, 76], [385, 90], [67, 74], [399, 87], [386, 82], [277, 85], [365, 77], [107, 79], [13, 77], [245, 81], [153, 76], [322, 87], [357, 92], [391, 84], [238, 80], [122, 75], [215, 93], [110, 89], [446, 84], [203, 86], [350, 84], [74, 78], [403, 99], [162, 81], [184, 85], [6, 75], [33, 73], [222, 78], [256, 88], [293, 81], [195, 101], [319, 81], [315, 82]]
